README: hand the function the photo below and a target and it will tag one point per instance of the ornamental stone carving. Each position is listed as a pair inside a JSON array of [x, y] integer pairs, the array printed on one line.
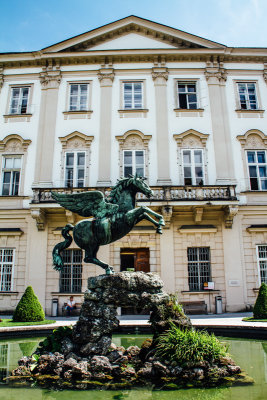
[[14, 144], [39, 215], [191, 139], [265, 73], [215, 72], [160, 75], [106, 76], [50, 77], [253, 139], [76, 140], [229, 213]]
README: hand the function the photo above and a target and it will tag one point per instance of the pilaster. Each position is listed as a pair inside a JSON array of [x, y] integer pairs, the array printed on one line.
[[106, 77], [167, 270], [216, 77], [160, 77], [50, 78], [1, 77]]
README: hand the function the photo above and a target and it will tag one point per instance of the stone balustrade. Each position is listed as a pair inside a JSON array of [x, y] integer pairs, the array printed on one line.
[[160, 193]]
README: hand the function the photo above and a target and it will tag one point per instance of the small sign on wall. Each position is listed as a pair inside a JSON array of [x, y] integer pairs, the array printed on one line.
[[209, 285], [234, 282]]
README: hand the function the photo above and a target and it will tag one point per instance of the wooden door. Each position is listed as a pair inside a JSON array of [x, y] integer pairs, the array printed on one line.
[[142, 260]]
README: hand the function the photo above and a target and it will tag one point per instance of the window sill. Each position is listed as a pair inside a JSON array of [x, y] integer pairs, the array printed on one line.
[[189, 112], [200, 291], [242, 113], [133, 113], [8, 293], [17, 117], [84, 114]]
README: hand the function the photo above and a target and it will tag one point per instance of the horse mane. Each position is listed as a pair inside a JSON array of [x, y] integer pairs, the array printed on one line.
[[118, 188]]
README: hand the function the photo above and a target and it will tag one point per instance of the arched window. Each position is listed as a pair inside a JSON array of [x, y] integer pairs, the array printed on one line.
[[133, 153]]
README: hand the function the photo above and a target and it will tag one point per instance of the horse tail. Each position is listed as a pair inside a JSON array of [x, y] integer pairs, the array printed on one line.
[[57, 259]]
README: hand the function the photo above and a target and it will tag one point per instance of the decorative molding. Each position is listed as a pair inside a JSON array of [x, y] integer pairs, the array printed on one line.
[[160, 75], [77, 114], [76, 140], [188, 112], [106, 76], [14, 143], [229, 214], [257, 228], [198, 214], [167, 212], [265, 72], [39, 215], [50, 77], [253, 139], [215, 72], [191, 138], [135, 113]]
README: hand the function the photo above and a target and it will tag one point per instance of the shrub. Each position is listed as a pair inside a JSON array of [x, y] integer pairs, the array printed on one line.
[[189, 346], [260, 307], [29, 308], [53, 342]]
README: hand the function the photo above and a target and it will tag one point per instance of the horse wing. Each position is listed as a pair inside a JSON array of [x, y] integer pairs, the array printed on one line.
[[86, 204]]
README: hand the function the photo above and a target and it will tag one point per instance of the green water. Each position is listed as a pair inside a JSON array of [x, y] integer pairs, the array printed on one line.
[[251, 355]]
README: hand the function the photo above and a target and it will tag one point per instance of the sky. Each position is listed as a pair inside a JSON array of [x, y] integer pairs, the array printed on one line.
[[31, 25]]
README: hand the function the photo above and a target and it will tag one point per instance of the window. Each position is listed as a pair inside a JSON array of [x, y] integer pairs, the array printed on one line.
[[74, 169], [187, 95], [133, 162], [262, 263], [11, 175], [247, 96], [71, 276], [193, 167], [19, 100], [79, 95], [198, 267], [257, 168], [6, 269], [132, 95]]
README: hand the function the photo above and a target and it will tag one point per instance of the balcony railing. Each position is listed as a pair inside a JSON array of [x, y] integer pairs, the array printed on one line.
[[160, 193]]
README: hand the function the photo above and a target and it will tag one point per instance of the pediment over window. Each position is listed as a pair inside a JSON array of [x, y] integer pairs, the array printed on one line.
[[132, 33], [76, 140], [191, 139], [133, 139], [253, 139], [14, 144]]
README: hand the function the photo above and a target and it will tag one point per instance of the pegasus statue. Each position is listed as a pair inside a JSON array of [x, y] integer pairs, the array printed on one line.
[[111, 218]]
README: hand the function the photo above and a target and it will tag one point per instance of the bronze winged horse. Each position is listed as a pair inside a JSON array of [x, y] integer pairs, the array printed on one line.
[[113, 218]]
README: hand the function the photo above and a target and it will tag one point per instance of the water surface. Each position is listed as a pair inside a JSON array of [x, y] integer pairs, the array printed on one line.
[[251, 355]]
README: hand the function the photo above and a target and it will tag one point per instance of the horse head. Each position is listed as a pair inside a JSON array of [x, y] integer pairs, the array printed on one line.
[[139, 185]]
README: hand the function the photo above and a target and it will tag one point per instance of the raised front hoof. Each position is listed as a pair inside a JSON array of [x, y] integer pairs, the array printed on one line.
[[109, 271], [159, 230]]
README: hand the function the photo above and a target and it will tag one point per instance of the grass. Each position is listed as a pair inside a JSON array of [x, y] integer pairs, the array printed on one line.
[[188, 345], [9, 322], [251, 319]]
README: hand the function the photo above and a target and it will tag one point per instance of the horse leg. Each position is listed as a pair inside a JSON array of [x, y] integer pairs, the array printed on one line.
[[158, 216], [90, 257], [140, 213]]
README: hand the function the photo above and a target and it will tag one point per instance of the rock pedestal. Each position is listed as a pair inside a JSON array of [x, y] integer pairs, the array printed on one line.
[[105, 293]]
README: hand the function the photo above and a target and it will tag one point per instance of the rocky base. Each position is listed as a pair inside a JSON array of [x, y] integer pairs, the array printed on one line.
[[124, 368]]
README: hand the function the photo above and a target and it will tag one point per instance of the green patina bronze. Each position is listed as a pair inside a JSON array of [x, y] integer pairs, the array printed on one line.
[[113, 218]]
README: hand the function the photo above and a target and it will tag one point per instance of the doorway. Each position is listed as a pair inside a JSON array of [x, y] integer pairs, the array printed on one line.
[[134, 260]]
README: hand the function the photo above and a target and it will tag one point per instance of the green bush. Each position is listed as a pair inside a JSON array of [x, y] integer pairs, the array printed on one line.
[[53, 342], [260, 307], [189, 346], [29, 308]]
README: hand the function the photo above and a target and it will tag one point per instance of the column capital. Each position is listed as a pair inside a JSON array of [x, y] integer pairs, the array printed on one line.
[[106, 76], [160, 75], [215, 73], [50, 77]]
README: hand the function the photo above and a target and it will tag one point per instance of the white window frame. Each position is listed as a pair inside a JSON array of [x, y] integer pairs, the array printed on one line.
[[259, 259], [2, 263], [133, 107], [248, 103], [20, 99], [179, 82], [257, 165], [75, 167], [78, 107], [193, 165], [134, 165], [11, 170]]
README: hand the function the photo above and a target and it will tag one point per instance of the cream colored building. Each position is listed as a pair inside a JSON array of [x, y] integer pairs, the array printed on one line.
[[137, 96]]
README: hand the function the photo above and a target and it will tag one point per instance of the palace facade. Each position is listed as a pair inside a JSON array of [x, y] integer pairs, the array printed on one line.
[[135, 96]]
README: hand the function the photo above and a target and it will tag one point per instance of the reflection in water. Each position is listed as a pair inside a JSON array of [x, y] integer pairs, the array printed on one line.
[[251, 355]]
